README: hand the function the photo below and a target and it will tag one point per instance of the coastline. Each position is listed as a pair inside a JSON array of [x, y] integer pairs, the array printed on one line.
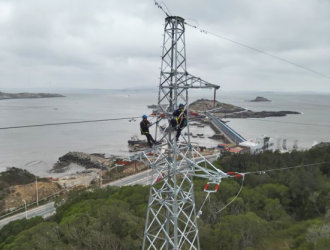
[[24, 95], [38, 149]]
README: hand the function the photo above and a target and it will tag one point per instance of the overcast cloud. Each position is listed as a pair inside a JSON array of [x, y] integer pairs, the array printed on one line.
[[116, 43]]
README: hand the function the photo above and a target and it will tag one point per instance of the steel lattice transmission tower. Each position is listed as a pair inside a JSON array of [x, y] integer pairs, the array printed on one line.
[[171, 221]]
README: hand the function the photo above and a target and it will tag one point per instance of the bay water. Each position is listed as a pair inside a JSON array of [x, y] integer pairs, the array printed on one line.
[[37, 149]]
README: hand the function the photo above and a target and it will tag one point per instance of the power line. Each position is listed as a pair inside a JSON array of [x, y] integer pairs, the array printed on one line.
[[66, 123], [263, 172], [166, 7], [298, 123], [239, 191], [260, 51], [279, 169], [160, 7]]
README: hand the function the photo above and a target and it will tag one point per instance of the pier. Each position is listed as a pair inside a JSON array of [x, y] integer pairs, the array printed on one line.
[[230, 134]]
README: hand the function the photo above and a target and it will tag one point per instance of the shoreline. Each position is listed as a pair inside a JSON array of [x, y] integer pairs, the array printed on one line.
[[25, 95]]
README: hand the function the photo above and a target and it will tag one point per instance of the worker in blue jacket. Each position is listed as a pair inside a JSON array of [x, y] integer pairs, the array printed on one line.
[[144, 126], [181, 119]]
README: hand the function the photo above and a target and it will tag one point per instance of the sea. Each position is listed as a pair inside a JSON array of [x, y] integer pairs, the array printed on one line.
[[37, 149]]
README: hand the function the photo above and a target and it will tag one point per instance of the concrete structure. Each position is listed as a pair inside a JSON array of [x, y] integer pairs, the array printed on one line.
[[259, 145], [230, 134]]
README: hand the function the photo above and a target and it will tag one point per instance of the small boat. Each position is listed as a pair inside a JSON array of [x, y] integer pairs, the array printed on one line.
[[200, 134], [224, 121], [153, 106], [135, 140]]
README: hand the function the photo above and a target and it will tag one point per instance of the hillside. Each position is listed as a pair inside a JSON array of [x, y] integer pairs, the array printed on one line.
[[17, 184], [287, 209]]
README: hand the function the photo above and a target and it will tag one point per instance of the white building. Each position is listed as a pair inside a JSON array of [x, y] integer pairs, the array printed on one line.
[[259, 145]]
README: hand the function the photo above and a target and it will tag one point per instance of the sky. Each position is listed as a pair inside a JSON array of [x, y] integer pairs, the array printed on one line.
[[115, 44]]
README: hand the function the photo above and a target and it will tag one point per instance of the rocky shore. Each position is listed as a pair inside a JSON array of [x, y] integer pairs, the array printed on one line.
[[6, 96], [225, 110], [82, 159], [262, 114], [219, 107]]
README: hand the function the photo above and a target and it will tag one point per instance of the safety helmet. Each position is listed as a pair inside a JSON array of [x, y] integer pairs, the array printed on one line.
[[181, 104], [144, 117]]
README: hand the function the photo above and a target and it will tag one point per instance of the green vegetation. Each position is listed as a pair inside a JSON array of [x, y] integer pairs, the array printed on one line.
[[287, 209], [15, 176], [11, 177]]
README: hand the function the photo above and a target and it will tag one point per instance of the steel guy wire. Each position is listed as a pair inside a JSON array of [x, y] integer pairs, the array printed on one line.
[[260, 51]]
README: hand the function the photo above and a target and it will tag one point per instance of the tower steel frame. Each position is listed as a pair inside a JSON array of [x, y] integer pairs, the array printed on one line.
[[171, 221]]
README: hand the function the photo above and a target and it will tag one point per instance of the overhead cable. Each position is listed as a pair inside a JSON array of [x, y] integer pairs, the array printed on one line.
[[260, 51], [298, 123], [160, 7], [279, 169], [239, 191], [66, 123], [263, 172], [166, 7]]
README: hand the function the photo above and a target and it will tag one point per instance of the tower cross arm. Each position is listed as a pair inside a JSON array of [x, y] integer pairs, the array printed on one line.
[[202, 168], [196, 82]]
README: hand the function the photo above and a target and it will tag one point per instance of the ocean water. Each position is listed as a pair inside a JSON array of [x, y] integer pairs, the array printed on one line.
[[37, 149]]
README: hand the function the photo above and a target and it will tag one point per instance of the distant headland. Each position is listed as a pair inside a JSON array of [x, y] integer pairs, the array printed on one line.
[[259, 99], [225, 110], [6, 96]]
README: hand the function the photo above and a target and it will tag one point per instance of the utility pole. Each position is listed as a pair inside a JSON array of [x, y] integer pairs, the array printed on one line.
[[171, 221], [25, 209], [101, 177], [37, 193]]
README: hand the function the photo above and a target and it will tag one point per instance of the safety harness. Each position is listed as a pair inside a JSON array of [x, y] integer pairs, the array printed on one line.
[[144, 132], [175, 121]]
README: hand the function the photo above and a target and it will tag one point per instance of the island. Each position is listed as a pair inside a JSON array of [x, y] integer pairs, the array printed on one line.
[[225, 110], [259, 99], [6, 96], [216, 107]]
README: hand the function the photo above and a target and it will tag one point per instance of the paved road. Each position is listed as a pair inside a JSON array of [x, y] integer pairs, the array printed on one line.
[[142, 178], [43, 210]]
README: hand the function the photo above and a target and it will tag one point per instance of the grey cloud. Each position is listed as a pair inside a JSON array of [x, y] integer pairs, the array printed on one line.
[[116, 44]]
